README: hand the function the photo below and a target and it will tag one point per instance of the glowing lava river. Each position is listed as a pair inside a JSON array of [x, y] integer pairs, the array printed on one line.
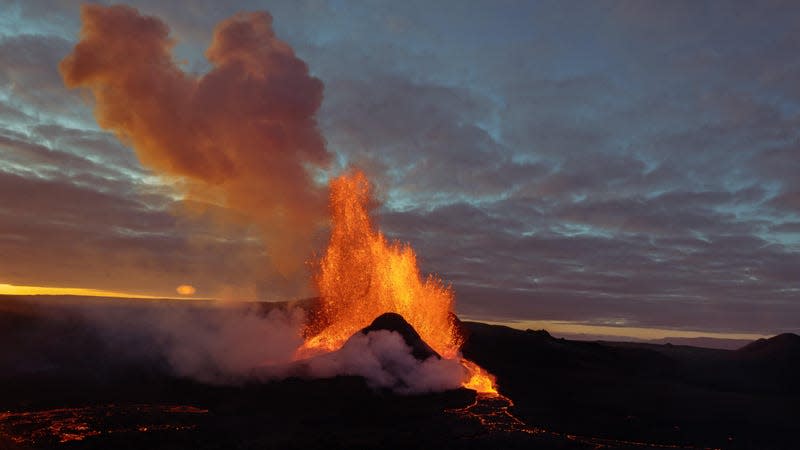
[[491, 411], [72, 426], [62, 425]]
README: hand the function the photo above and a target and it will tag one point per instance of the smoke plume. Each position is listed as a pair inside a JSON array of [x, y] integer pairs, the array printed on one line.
[[242, 135]]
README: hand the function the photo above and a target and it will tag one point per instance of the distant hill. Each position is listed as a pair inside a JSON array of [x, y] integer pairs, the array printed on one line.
[[780, 355], [667, 394], [783, 345], [705, 342]]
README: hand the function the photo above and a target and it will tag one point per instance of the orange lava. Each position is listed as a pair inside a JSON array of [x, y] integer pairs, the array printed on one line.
[[479, 380], [363, 275]]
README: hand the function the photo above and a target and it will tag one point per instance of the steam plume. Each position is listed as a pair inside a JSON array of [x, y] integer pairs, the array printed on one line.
[[385, 361], [218, 343], [243, 135], [231, 343]]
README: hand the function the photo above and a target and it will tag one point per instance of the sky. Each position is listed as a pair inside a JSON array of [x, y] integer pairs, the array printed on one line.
[[605, 164]]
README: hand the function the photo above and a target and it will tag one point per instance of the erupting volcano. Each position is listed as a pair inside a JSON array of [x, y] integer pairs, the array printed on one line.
[[363, 275], [244, 136], [194, 253]]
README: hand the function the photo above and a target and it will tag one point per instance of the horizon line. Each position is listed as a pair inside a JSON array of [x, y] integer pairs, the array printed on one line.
[[572, 329], [25, 290], [575, 329]]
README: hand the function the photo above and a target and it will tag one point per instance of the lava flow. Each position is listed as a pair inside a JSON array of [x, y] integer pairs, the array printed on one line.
[[363, 275]]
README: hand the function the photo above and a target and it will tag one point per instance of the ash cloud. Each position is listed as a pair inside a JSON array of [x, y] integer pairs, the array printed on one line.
[[243, 135]]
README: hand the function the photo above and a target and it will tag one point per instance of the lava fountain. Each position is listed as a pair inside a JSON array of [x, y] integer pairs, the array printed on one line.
[[363, 275]]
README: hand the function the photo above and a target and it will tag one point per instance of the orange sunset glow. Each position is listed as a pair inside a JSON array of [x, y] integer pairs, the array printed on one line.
[[185, 289], [11, 289], [23, 290]]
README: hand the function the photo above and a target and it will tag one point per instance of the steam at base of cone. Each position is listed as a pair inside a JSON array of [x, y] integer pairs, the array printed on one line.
[[231, 343]]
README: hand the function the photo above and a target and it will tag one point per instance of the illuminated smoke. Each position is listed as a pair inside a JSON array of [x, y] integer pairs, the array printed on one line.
[[242, 135]]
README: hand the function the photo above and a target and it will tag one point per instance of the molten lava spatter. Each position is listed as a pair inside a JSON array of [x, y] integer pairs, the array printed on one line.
[[363, 275], [479, 380]]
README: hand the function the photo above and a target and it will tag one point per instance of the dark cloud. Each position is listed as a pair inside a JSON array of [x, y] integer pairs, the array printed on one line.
[[103, 148], [10, 114], [641, 276], [423, 140], [30, 79]]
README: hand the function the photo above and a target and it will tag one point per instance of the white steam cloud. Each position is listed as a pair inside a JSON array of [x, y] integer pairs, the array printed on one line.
[[225, 343], [384, 359]]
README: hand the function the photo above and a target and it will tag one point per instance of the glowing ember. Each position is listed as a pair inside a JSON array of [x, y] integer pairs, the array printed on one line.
[[38, 429], [362, 275], [185, 289]]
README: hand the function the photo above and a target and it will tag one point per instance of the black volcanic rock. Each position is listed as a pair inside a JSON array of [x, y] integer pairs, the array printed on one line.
[[786, 344], [542, 334], [395, 322], [609, 393], [778, 357]]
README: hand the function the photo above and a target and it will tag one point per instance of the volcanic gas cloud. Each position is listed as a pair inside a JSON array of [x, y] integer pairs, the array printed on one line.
[[244, 135]]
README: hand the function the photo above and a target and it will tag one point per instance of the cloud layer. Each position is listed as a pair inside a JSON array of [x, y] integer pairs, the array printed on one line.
[[614, 163]]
